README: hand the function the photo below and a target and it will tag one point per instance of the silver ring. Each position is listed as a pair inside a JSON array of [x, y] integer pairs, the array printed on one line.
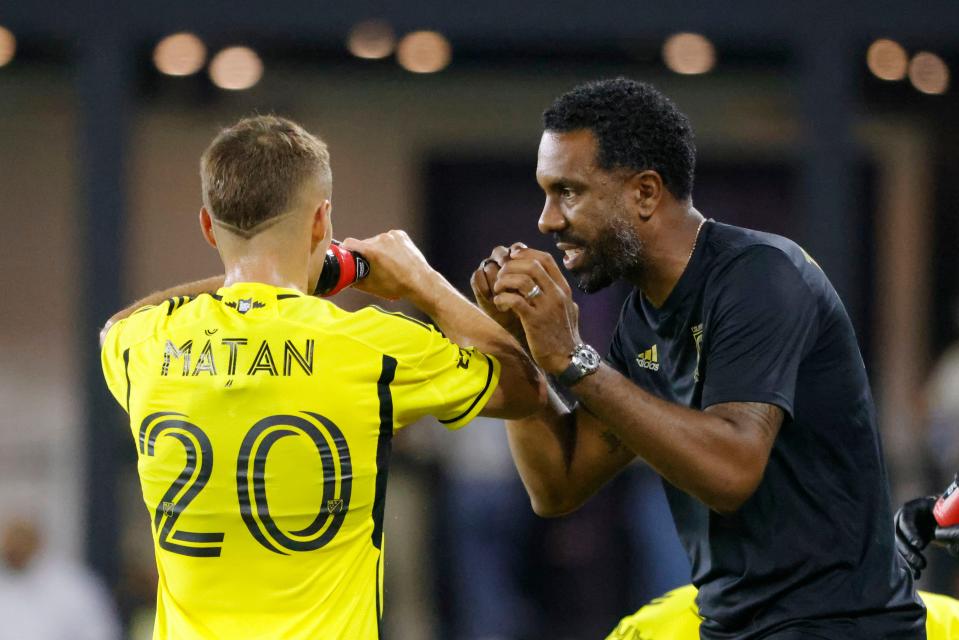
[[535, 291]]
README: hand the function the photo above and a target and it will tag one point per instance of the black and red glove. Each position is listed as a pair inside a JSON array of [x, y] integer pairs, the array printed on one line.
[[932, 519]]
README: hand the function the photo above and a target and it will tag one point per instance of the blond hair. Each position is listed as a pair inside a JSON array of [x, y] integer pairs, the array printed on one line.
[[253, 171]]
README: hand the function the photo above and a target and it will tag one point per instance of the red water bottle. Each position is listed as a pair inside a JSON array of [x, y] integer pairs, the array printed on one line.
[[946, 509], [341, 268]]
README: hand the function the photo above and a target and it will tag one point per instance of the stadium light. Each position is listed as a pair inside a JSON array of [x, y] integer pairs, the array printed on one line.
[[236, 68], [689, 53], [8, 46], [180, 54], [887, 60], [424, 52], [371, 40], [928, 73]]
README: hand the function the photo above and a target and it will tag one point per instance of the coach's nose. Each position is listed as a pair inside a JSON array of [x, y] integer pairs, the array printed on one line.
[[551, 219]]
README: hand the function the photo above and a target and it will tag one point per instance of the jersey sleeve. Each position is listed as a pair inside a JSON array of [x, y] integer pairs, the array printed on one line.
[[462, 379], [759, 326], [450, 382], [115, 352]]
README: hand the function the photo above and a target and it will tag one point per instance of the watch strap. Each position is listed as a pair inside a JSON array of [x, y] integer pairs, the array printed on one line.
[[579, 366], [571, 375]]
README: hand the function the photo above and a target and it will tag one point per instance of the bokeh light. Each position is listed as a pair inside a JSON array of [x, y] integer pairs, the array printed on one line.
[[424, 52], [928, 73], [180, 54], [371, 40], [689, 53], [887, 59], [236, 68], [8, 46]]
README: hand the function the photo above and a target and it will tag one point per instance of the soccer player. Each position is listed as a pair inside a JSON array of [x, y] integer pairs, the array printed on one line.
[[263, 416], [674, 616], [734, 372]]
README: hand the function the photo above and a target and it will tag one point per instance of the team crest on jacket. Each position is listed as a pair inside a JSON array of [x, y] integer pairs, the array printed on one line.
[[698, 341], [245, 304]]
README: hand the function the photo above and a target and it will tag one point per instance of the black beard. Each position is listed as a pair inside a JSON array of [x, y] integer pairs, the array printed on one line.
[[615, 254]]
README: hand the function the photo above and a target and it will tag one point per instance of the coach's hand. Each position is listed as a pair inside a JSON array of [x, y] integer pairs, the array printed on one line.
[[482, 282], [531, 285], [397, 267]]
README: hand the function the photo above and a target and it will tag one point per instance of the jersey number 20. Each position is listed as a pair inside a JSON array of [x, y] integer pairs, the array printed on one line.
[[250, 482]]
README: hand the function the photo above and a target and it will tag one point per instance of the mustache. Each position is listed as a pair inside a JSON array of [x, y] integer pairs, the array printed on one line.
[[569, 238]]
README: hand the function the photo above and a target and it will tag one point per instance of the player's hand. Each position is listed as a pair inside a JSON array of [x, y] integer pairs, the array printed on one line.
[[531, 285], [915, 529], [482, 282], [397, 267]]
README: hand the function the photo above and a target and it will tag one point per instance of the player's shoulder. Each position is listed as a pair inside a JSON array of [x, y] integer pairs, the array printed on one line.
[[149, 320], [393, 331], [389, 332]]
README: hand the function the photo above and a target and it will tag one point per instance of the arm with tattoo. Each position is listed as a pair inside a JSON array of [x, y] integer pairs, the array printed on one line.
[[717, 455]]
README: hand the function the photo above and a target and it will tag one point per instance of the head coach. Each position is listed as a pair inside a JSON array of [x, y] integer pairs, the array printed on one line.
[[734, 372]]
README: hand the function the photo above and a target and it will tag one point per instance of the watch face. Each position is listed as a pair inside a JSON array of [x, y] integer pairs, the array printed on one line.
[[586, 358]]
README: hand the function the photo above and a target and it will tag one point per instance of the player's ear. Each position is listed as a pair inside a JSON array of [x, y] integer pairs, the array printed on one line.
[[206, 227], [322, 224], [644, 192]]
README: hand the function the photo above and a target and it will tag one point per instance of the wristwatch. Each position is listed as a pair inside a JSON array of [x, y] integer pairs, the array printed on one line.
[[583, 361]]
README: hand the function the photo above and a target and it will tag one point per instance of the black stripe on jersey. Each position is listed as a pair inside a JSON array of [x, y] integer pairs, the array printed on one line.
[[126, 370], [384, 445], [489, 378], [176, 302], [285, 296], [428, 327], [216, 296], [190, 536]]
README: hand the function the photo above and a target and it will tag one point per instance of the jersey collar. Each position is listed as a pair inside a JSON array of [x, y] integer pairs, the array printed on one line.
[[238, 289]]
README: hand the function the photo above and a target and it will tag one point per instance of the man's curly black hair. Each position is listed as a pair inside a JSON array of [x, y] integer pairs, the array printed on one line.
[[636, 127]]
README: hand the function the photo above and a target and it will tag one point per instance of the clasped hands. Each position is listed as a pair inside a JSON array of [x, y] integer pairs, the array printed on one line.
[[524, 290]]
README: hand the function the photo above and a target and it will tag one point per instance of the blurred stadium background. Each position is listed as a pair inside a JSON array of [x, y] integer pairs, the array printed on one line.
[[832, 123]]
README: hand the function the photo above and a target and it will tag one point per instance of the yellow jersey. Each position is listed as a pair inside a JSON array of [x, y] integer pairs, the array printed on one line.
[[675, 616], [263, 420]]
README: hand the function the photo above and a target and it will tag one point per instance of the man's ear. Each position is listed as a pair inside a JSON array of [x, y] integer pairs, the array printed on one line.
[[322, 224], [644, 192], [206, 227]]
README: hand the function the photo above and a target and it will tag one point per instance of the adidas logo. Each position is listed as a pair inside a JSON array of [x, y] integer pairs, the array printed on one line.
[[649, 359]]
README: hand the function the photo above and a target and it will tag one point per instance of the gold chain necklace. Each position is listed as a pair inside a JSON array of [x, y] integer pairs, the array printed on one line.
[[695, 240]]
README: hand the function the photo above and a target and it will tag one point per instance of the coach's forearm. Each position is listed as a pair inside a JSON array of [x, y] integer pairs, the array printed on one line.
[[702, 453], [191, 289], [465, 324]]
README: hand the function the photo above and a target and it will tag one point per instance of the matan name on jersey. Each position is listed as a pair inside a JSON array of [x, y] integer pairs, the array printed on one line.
[[227, 356]]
